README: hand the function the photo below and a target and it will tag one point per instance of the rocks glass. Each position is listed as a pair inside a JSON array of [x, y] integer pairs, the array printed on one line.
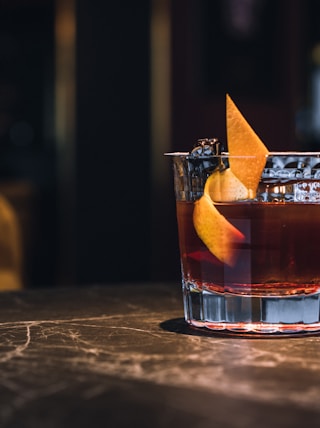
[[273, 284]]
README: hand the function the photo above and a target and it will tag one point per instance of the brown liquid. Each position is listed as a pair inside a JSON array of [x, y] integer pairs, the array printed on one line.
[[279, 256]]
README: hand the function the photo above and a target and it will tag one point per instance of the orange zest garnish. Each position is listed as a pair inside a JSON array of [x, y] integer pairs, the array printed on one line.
[[224, 186], [215, 231], [247, 158], [243, 141]]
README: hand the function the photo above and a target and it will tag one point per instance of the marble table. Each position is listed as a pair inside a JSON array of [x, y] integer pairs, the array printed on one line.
[[122, 356]]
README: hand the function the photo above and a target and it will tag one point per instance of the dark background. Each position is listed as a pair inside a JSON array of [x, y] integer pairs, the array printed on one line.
[[89, 208]]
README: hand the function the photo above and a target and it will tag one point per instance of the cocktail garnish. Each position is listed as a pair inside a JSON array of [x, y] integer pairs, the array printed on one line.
[[224, 186], [247, 152], [247, 159], [215, 231]]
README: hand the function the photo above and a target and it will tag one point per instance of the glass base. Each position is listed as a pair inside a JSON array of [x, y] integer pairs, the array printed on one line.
[[252, 314]]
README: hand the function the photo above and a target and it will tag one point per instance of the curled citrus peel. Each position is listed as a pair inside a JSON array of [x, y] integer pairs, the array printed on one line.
[[215, 231], [224, 186], [247, 152], [247, 158]]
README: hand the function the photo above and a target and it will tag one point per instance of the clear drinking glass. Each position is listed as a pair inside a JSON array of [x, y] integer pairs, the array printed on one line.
[[273, 284]]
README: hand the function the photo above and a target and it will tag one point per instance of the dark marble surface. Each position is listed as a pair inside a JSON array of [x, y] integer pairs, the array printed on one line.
[[122, 356]]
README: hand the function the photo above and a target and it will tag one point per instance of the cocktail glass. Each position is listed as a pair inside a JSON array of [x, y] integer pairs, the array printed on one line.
[[272, 285]]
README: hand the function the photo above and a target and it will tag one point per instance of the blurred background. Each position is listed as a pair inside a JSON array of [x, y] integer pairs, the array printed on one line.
[[92, 93]]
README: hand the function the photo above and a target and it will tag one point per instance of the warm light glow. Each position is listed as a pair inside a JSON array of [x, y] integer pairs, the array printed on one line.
[[65, 34], [65, 111], [160, 87]]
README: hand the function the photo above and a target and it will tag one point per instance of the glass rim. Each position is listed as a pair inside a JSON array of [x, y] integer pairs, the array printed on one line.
[[227, 155]]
